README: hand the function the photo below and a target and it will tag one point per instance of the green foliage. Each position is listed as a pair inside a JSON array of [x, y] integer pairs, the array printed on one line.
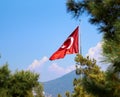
[[22, 81], [113, 81], [67, 94], [59, 95], [4, 81], [111, 48], [93, 80], [38, 90], [96, 83], [19, 84], [104, 13]]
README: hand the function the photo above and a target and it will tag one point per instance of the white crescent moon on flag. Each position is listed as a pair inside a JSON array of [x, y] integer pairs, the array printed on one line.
[[71, 42]]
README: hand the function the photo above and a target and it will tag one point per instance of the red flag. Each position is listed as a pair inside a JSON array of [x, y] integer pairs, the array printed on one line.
[[70, 46]]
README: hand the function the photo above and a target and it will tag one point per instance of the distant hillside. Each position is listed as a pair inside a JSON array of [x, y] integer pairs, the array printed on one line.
[[60, 85]]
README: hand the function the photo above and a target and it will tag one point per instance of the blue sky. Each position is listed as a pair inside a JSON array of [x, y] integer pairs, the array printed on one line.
[[32, 30]]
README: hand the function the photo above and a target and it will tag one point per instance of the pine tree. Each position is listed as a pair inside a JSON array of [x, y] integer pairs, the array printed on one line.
[[105, 14], [19, 84], [59, 95]]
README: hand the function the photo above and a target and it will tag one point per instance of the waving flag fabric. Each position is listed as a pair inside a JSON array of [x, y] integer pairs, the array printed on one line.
[[70, 46]]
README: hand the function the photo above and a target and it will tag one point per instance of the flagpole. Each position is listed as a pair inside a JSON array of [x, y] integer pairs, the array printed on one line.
[[80, 51]]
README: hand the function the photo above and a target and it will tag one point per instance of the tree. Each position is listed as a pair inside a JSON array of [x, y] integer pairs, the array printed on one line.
[[95, 82], [38, 91], [22, 82], [19, 84], [105, 14], [67, 94], [59, 95], [4, 80], [111, 48]]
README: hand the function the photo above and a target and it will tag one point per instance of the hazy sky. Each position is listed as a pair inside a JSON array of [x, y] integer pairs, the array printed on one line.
[[32, 30]]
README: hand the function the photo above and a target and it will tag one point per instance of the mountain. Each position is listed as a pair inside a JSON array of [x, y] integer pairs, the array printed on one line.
[[60, 85]]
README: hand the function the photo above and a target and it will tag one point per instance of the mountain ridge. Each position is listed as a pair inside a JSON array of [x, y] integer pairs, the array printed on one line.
[[60, 85]]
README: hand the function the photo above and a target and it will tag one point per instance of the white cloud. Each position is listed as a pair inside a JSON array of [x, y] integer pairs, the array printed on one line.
[[45, 68], [60, 70], [96, 53], [37, 63]]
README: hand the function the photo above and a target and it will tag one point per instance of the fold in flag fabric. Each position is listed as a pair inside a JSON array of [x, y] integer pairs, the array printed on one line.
[[70, 46]]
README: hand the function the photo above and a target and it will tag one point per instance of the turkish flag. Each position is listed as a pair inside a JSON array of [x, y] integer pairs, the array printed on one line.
[[70, 46]]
